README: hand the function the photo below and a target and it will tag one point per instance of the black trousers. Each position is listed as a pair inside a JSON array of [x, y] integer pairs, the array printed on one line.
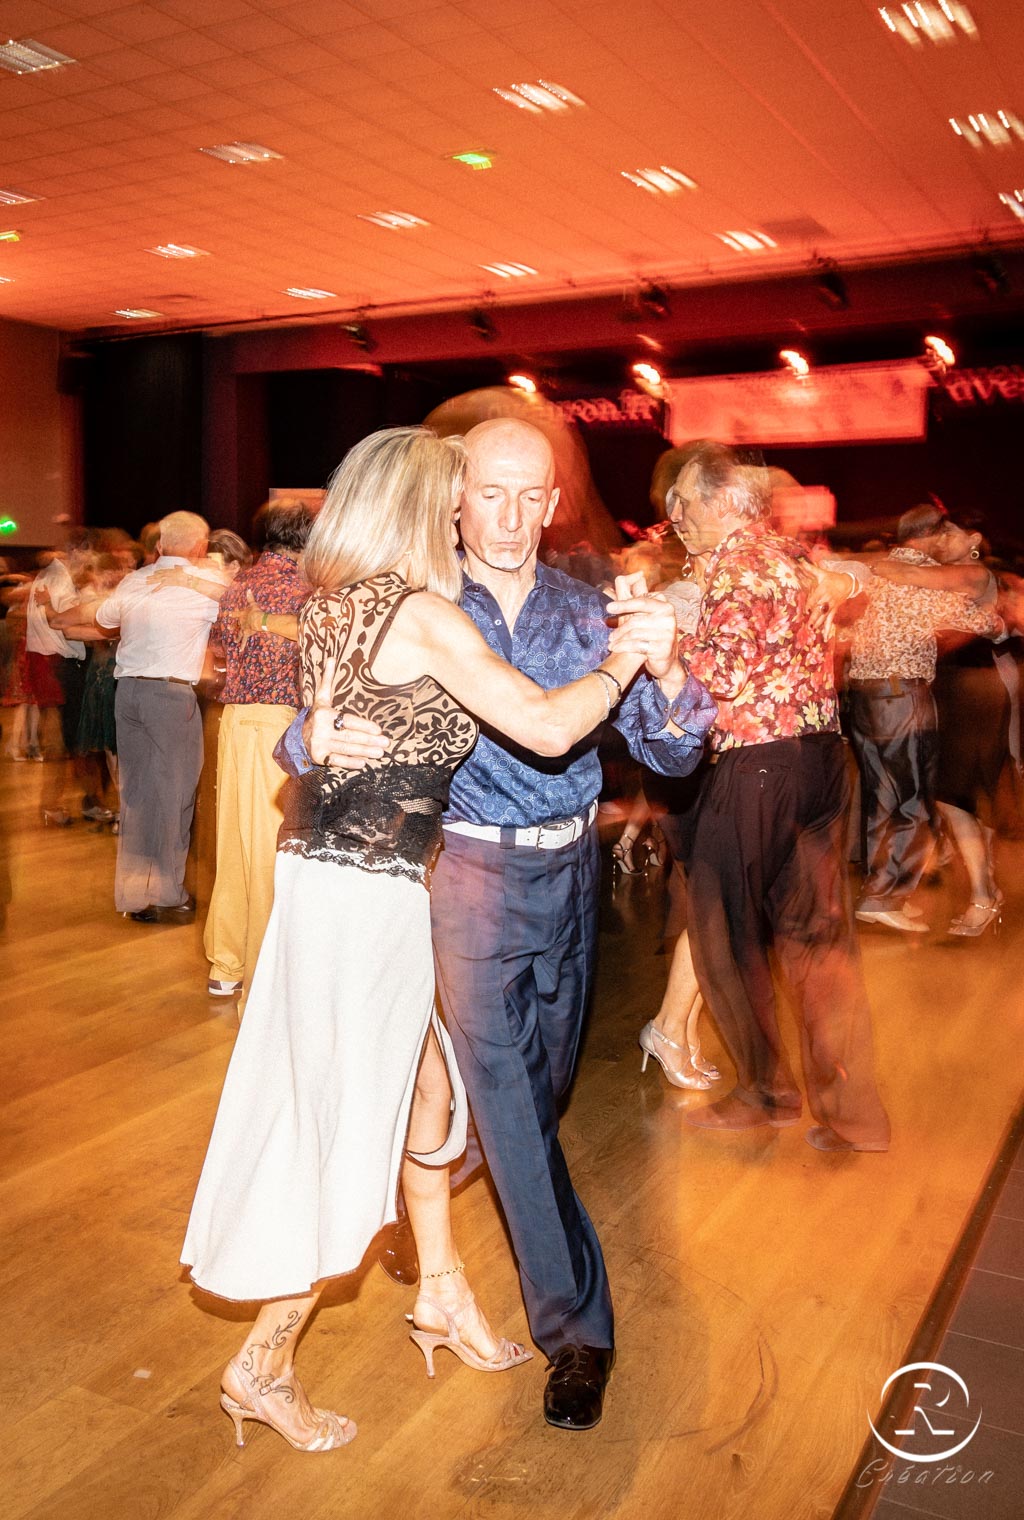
[[894, 736], [767, 876]]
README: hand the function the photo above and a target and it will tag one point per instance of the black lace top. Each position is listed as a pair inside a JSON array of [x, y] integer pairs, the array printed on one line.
[[388, 816]]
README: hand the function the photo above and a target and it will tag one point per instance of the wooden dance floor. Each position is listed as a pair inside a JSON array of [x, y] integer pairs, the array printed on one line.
[[764, 1291]]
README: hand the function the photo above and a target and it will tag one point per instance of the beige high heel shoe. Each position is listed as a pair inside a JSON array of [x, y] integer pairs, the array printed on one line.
[[333, 1431], [686, 1075], [508, 1353]]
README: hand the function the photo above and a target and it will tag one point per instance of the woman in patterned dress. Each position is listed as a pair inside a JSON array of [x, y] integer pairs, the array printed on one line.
[[342, 1082]]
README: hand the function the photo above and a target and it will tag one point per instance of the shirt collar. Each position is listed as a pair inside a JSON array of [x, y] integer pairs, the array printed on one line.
[[544, 576]]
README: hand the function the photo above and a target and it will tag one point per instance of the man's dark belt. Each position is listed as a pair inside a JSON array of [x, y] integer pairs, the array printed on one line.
[[889, 686], [171, 680]]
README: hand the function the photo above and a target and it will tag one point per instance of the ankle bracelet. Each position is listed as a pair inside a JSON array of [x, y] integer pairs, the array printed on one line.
[[448, 1272]]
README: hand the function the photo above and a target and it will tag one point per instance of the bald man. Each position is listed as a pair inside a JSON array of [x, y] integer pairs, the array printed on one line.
[[159, 727], [515, 891]]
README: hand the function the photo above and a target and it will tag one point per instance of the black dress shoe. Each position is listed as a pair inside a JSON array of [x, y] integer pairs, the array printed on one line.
[[398, 1254], [574, 1393], [184, 913]]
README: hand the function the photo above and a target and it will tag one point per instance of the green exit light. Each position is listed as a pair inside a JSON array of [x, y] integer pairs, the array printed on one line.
[[474, 160], [8, 525]]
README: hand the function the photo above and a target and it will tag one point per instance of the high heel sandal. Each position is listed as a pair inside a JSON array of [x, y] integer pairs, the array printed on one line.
[[706, 1068], [989, 913], [691, 1078], [623, 863], [508, 1353], [333, 1431]]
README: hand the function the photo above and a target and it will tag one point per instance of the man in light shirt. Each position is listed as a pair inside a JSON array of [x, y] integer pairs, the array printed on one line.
[[159, 727]]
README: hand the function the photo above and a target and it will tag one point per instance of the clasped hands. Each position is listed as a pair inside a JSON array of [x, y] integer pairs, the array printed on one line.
[[647, 626]]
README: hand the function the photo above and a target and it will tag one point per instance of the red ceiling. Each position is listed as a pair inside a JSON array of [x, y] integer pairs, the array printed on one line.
[[783, 111]]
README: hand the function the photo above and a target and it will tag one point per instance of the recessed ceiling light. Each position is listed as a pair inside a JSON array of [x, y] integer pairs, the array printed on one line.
[[997, 128], [136, 313], [12, 198], [310, 293], [178, 251], [746, 242], [241, 153], [475, 159], [10, 236], [393, 219], [660, 181], [929, 21], [1013, 200], [5, 280], [509, 271], [28, 57], [539, 96]]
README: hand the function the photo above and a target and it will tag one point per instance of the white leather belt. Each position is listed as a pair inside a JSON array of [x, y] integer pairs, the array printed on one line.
[[554, 835]]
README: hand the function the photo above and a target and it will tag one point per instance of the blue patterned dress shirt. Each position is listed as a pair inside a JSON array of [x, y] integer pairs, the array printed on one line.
[[560, 634]]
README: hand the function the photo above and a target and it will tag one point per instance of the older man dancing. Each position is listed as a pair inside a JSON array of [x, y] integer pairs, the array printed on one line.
[[767, 870], [514, 895]]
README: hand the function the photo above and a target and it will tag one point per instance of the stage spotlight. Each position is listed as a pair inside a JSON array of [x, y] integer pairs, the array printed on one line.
[[938, 355], [990, 273], [796, 362], [482, 325], [648, 373], [830, 285], [356, 333], [524, 383]]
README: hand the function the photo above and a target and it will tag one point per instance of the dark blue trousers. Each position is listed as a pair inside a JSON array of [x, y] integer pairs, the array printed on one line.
[[515, 932]]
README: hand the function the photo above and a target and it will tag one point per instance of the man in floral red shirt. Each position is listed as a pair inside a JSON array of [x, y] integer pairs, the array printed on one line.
[[767, 871]]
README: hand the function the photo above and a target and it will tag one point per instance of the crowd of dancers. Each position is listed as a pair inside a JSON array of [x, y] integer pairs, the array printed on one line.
[[402, 671]]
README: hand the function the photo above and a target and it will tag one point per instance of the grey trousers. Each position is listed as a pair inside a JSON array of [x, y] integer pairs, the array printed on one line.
[[893, 731], [160, 757]]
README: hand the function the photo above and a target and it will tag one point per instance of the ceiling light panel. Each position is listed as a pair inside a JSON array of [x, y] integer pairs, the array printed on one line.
[[996, 128], [12, 198], [540, 96], [746, 241], [475, 158], [241, 153], [309, 293], [28, 57], [936, 21], [178, 251], [509, 271], [136, 313], [1013, 200], [660, 181], [394, 220]]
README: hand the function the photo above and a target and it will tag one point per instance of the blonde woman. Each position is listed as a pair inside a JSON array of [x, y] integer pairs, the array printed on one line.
[[343, 1082]]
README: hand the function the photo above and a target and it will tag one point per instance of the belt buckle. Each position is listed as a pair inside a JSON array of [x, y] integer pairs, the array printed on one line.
[[554, 828]]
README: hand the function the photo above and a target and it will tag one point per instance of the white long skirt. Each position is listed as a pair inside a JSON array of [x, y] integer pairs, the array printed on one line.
[[304, 1162]]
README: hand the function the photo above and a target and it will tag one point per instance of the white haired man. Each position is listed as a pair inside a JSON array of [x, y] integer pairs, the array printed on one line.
[[766, 873], [159, 726]]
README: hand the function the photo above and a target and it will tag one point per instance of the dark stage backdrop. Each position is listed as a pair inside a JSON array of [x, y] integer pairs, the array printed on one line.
[[142, 430]]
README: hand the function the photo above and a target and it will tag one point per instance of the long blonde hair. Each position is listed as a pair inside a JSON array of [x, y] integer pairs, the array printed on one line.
[[394, 495]]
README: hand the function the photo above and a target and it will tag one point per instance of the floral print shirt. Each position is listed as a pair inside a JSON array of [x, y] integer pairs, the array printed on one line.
[[267, 669], [896, 634], [767, 667]]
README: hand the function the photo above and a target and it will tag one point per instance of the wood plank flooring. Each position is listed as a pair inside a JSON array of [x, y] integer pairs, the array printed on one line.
[[763, 1291]]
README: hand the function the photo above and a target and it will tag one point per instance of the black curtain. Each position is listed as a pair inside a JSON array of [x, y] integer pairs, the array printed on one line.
[[313, 419], [142, 430]]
